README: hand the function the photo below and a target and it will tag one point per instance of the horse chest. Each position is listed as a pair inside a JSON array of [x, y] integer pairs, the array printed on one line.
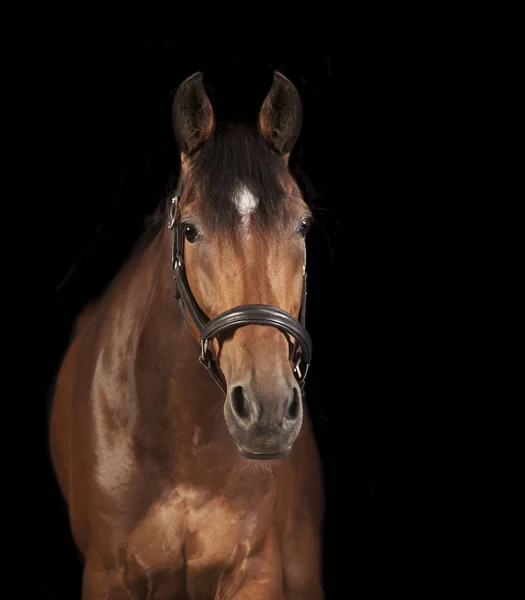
[[192, 531]]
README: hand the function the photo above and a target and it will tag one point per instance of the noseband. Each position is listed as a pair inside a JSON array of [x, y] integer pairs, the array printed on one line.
[[246, 314]]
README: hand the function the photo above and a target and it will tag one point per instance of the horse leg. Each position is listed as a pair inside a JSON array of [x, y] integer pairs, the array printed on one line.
[[258, 576], [95, 581], [257, 590], [314, 593], [100, 583], [261, 590], [302, 562]]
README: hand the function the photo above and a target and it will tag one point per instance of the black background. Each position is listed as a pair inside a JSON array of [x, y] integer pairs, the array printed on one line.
[[364, 165]]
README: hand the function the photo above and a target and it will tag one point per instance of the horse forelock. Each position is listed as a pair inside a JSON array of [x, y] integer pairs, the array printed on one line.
[[236, 175]]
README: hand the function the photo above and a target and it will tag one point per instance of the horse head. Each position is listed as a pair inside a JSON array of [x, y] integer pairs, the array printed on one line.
[[240, 224]]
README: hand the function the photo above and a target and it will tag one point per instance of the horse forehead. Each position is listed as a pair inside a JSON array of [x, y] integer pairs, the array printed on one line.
[[244, 201]]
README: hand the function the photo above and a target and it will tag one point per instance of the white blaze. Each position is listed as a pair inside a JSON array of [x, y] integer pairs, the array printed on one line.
[[245, 201]]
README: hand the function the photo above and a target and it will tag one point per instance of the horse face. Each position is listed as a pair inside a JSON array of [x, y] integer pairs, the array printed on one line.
[[252, 265]]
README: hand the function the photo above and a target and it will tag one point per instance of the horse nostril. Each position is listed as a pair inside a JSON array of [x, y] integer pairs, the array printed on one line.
[[239, 403], [293, 407]]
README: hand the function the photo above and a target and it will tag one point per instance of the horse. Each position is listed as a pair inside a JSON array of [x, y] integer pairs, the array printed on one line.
[[179, 433]]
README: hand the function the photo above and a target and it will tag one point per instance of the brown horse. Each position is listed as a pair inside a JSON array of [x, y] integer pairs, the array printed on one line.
[[180, 484]]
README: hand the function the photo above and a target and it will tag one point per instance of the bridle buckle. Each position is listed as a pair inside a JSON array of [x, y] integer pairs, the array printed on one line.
[[297, 369], [174, 206], [203, 358]]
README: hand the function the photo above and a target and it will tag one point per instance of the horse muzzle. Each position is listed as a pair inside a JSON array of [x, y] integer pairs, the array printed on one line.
[[263, 427]]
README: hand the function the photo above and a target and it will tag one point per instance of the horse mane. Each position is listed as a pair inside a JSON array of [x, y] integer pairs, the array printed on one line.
[[236, 155]]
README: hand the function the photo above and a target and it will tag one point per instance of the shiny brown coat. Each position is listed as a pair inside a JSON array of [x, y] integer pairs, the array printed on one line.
[[161, 503]]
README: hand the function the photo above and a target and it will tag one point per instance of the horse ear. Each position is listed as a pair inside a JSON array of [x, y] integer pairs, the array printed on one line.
[[280, 116], [192, 114]]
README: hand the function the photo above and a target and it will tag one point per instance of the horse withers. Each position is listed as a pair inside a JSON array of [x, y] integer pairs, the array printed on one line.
[[179, 434]]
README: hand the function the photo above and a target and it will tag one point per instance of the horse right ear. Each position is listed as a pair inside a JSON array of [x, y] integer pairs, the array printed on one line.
[[192, 115], [280, 116]]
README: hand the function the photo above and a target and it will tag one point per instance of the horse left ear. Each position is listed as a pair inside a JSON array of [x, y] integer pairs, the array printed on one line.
[[281, 116], [192, 115]]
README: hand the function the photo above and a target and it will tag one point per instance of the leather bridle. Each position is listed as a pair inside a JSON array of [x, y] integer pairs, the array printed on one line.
[[246, 314]]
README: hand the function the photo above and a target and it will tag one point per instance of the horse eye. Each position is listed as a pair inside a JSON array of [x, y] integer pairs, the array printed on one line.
[[305, 225], [190, 232]]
